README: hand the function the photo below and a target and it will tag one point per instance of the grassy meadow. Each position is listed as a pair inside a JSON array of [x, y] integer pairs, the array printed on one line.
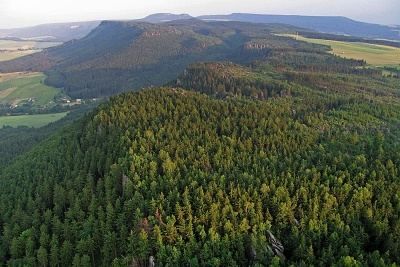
[[15, 54], [17, 49], [375, 55], [35, 121], [17, 88]]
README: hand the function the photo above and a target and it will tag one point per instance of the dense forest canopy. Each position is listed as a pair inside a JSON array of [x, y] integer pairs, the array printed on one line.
[[290, 160], [16, 141]]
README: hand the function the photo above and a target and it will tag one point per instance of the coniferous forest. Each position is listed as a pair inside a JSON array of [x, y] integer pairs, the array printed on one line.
[[289, 159]]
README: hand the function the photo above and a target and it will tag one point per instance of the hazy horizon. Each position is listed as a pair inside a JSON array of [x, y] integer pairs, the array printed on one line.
[[19, 13]]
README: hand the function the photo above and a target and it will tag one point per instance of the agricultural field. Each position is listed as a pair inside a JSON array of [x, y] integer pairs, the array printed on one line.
[[13, 49], [35, 121], [21, 88], [374, 55]]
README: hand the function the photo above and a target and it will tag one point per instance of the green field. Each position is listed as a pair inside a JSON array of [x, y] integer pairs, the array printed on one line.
[[30, 120], [17, 88], [14, 49], [376, 55]]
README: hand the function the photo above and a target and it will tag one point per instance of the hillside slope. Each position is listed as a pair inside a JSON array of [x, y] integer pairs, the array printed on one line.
[[279, 162], [121, 56]]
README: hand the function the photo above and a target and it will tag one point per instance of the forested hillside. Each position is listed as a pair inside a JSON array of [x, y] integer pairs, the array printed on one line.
[[16, 141], [290, 160], [124, 56]]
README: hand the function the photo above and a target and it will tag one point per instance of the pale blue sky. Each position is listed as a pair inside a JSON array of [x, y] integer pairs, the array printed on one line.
[[19, 13]]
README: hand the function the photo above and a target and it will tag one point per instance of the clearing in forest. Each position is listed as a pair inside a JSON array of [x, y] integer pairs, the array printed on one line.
[[17, 88], [35, 121]]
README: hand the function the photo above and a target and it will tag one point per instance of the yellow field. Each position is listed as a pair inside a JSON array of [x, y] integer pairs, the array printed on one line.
[[18, 75], [376, 55], [15, 49], [15, 54], [14, 45]]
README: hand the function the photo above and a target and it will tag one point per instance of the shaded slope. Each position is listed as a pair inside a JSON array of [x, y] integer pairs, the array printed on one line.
[[17, 141], [196, 179]]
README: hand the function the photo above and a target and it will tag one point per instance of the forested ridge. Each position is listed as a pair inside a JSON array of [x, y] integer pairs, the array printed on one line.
[[284, 155], [124, 56], [273, 163]]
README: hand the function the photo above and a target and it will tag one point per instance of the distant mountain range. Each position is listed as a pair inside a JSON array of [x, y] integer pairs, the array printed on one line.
[[54, 32], [164, 17], [326, 24]]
